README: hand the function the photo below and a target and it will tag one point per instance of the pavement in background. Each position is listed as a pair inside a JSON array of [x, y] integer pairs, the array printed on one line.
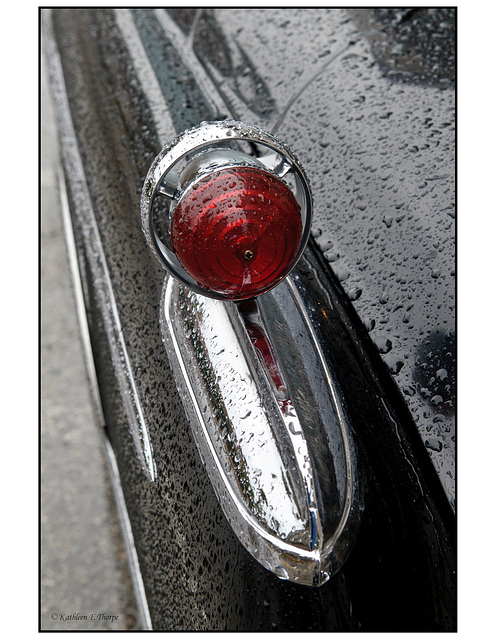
[[84, 572]]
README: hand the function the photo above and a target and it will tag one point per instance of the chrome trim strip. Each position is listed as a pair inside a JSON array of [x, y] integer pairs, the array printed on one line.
[[137, 580], [184, 47], [161, 114], [79, 300], [133, 562], [96, 256]]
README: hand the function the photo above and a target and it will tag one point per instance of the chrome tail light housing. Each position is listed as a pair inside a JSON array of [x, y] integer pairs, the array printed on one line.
[[226, 208]]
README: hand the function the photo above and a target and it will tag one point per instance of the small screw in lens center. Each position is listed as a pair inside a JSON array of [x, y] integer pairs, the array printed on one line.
[[248, 255]]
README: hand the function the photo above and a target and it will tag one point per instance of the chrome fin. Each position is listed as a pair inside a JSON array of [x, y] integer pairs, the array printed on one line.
[[269, 426]]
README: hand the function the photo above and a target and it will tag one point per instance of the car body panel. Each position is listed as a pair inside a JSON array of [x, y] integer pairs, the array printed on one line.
[[197, 575], [379, 147]]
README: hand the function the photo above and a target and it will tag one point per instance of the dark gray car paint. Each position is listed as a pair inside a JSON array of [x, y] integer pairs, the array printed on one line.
[[377, 136]]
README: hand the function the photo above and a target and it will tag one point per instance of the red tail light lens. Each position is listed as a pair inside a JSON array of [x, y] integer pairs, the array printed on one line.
[[237, 231]]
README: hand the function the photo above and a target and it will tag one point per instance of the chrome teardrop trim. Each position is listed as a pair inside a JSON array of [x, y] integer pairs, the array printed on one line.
[[257, 454]]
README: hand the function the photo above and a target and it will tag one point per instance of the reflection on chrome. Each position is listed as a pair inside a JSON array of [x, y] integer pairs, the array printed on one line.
[[268, 426]]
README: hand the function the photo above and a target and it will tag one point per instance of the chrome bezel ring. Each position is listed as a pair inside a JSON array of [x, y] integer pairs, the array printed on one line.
[[278, 160]]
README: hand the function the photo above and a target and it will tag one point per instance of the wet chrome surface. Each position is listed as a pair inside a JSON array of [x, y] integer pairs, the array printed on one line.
[[258, 443]]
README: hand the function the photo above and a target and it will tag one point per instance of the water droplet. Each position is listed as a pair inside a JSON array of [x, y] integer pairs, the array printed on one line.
[[441, 374], [394, 364], [434, 444], [341, 272], [369, 324], [332, 256], [355, 294], [382, 343], [294, 430]]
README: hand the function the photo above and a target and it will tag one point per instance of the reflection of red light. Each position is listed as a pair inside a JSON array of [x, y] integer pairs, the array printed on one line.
[[238, 231], [267, 358]]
